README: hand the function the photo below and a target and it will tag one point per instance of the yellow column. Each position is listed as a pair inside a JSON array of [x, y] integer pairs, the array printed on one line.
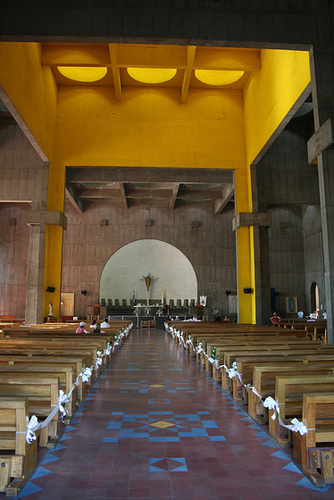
[[54, 241], [245, 250]]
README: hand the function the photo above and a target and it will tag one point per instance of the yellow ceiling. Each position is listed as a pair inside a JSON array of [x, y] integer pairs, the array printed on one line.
[[118, 58]]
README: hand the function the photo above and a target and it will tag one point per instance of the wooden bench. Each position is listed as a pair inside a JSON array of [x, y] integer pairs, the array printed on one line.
[[18, 458], [42, 394], [64, 375], [256, 344], [289, 396], [264, 380], [74, 363], [275, 355], [87, 355], [314, 451]]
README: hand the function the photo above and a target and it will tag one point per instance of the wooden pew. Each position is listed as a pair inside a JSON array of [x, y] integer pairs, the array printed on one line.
[[314, 451], [87, 355], [258, 345], [64, 375], [18, 458], [279, 354], [42, 394], [74, 363], [289, 395], [264, 380]]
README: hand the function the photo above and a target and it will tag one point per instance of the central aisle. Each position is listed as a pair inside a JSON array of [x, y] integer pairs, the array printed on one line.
[[157, 426]]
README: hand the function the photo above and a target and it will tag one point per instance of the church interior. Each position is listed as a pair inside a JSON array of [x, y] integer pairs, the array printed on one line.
[[161, 165]]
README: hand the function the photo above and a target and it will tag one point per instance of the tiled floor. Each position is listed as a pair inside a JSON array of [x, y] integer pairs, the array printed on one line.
[[156, 426]]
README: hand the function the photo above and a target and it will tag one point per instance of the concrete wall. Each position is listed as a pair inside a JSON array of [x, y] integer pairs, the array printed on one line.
[[210, 248], [21, 187], [313, 254], [287, 272], [14, 244], [20, 167], [289, 191]]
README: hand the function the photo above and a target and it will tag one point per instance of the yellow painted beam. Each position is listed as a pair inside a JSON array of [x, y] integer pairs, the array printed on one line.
[[115, 71], [191, 51], [228, 59], [75, 54], [161, 56]]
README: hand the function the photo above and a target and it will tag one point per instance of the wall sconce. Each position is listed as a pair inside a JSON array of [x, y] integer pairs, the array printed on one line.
[[84, 292]]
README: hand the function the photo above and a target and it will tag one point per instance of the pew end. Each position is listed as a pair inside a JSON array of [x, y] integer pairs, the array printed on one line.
[[18, 459], [314, 451]]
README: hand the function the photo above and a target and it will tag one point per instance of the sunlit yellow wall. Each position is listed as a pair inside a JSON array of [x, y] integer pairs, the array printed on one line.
[[153, 129], [271, 93], [150, 128], [268, 97], [31, 88]]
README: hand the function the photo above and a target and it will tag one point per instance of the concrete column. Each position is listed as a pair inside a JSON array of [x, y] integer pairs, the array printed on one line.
[[261, 257], [34, 303], [322, 71], [38, 220], [262, 275]]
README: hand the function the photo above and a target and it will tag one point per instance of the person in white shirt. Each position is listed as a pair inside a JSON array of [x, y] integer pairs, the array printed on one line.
[[300, 314], [105, 323]]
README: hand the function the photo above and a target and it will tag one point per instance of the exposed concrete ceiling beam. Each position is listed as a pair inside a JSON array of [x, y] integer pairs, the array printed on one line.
[[115, 71], [174, 196], [123, 194], [97, 192], [191, 51], [227, 194], [152, 174], [77, 204]]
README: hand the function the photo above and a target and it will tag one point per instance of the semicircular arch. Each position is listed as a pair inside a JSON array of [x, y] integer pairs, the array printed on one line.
[[172, 272]]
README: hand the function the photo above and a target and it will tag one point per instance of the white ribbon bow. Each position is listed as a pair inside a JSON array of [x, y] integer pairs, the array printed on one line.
[[86, 374], [31, 427], [271, 404], [63, 398], [299, 426]]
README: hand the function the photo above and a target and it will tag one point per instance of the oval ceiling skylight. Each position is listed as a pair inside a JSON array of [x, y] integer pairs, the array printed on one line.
[[151, 75], [83, 74], [218, 76]]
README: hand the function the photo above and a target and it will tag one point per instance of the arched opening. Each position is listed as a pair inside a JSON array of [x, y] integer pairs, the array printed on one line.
[[315, 302], [173, 276]]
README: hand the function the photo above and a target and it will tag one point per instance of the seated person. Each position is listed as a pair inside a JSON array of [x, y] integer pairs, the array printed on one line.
[[275, 319], [97, 328], [93, 325], [81, 328], [105, 323]]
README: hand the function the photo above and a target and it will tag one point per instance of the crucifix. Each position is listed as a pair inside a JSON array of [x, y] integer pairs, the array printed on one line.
[[148, 280]]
